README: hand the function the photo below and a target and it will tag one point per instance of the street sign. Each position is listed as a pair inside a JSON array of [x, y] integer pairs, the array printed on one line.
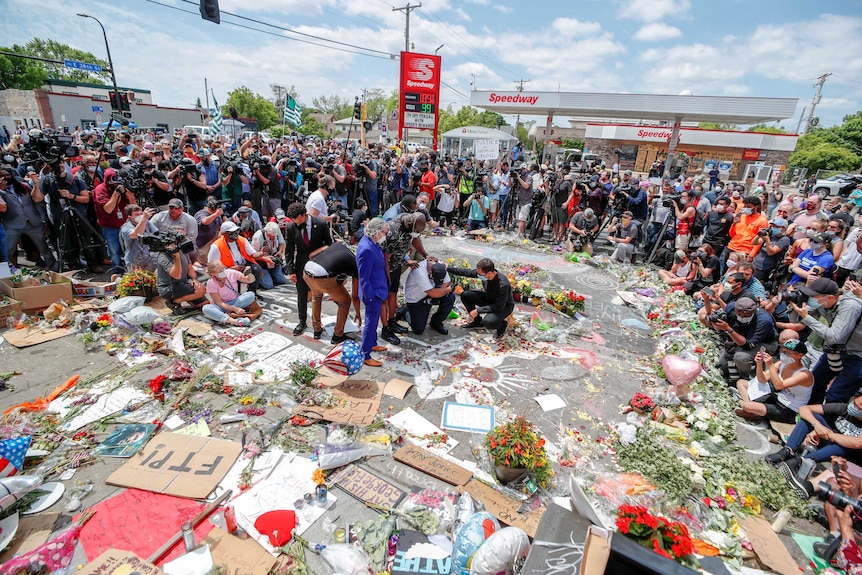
[[83, 66], [97, 109]]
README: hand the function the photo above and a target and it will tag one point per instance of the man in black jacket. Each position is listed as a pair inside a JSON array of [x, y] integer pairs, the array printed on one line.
[[495, 300], [304, 238]]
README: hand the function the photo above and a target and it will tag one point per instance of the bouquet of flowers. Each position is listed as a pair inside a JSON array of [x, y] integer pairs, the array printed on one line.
[[516, 445], [642, 402], [136, 281], [669, 539]]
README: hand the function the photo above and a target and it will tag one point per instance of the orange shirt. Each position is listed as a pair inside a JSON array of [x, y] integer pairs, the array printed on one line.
[[742, 232]]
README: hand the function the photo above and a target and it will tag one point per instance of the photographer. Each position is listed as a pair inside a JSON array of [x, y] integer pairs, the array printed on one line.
[[22, 216], [478, 205], [706, 265], [209, 221], [838, 324], [65, 190], [177, 280], [465, 178], [111, 198], [175, 219], [840, 495], [233, 179], [266, 189], [193, 183], [773, 244], [583, 228], [562, 193], [625, 234], [358, 219], [369, 166], [685, 212], [270, 242], [501, 219], [749, 328], [522, 181], [210, 171], [158, 187], [137, 255]]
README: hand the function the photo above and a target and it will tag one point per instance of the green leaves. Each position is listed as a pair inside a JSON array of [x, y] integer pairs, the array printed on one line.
[[249, 104]]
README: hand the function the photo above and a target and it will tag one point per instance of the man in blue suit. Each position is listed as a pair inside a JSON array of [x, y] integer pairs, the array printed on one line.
[[373, 286]]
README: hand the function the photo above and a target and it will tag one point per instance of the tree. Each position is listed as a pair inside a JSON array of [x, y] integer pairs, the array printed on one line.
[[251, 105], [717, 126], [20, 73], [375, 104], [279, 94], [198, 103], [338, 106], [573, 143], [763, 128], [53, 50], [816, 153]]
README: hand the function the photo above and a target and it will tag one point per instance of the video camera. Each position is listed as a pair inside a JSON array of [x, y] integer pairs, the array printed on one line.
[[838, 498], [214, 205], [162, 242], [717, 315], [47, 148], [669, 201], [134, 178]]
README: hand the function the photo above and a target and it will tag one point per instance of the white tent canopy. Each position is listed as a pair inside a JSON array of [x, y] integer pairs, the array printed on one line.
[[477, 133]]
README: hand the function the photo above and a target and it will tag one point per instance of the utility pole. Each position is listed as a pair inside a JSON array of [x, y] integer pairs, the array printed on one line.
[[816, 100], [801, 116], [519, 86], [407, 9]]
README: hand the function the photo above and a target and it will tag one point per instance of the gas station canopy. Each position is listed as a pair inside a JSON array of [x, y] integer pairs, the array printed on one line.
[[721, 109]]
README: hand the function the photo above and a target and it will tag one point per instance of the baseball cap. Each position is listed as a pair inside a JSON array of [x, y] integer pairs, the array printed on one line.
[[438, 274], [820, 286], [679, 255], [175, 203], [627, 173], [795, 345], [110, 174], [244, 210], [816, 236], [635, 182], [204, 152], [228, 227], [595, 178], [779, 222], [125, 160], [745, 304]]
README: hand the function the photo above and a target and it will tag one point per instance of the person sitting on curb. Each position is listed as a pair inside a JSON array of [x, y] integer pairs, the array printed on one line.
[[778, 390], [223, 291], [495, 300]]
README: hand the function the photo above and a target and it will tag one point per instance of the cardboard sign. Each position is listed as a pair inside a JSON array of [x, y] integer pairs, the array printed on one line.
[[435, 466], [239, 555], [397, 388], [559, 544], [33, 336], [33, 531], [368, 487], [359, 403], [115, 561], [769, 548], [414, 553], [180, 465], [503, 508]]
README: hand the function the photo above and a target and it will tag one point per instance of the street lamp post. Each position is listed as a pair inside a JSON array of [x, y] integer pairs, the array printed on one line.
[[110, 63]]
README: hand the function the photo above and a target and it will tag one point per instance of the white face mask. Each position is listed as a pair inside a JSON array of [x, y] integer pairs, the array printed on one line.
[[221, 275], [91, 169], [732, 264], [721, 208], [381, 239], [785, 358], [744, 320]]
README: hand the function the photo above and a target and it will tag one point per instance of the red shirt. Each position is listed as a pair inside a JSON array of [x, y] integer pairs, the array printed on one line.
[[428, 181], [117, 217]]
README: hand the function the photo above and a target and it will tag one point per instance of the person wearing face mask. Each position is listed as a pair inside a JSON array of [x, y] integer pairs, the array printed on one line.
[[773, 245], [403, 233], [682, 271], [407, 205], [836, 319], [778, 389], [834, 429], [373, 286], [235, 251], [748, 328], [817, 255], [745, 226], [625, 233], [111, 198], [716, 231], [137, 223], [62, 189], [685, 211], [304, 237], [228, 305], [495, 300], [803, 219]]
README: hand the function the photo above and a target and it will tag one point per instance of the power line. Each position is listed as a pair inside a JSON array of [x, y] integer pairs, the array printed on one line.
[[456, 91], [285, 29], [282, 36]]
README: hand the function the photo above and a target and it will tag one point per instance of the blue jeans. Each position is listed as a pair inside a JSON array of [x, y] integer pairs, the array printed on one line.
[[219, 315], [476, 225], [847, 382], [373, 201], [419, 312], [369, 325], [3, 257], [272, 277], [503, 216], [825, 449], [112, 238]]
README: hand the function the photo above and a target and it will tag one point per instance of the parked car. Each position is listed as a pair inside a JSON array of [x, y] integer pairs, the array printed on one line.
[[837, 185]]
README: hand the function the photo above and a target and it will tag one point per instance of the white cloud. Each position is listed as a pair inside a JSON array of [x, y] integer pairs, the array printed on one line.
[[657, 31], [480, 2], [572, 27], [654, 10], [837, 103], [503, 9], [461, 15]]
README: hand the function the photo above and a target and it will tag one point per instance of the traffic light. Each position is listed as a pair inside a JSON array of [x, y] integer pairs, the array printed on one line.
[[364, 112], [120, 101], [357, 111], [210, 11]]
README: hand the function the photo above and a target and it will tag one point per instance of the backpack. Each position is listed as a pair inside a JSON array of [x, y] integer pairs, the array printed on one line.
[[698, 223]]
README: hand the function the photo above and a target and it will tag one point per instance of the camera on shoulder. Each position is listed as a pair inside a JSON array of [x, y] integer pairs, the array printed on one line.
[[167, 242]]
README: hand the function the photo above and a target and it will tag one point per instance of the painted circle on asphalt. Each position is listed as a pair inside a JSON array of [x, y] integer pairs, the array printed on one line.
[[597, 282]]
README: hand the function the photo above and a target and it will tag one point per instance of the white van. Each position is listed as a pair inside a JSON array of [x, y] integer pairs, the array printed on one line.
[[199, 130]]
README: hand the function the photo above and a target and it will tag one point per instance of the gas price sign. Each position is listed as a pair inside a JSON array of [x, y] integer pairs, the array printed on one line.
[[420, 91]]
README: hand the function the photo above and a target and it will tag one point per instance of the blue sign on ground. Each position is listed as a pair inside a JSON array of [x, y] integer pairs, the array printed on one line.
[[97, 109], [83, 66]]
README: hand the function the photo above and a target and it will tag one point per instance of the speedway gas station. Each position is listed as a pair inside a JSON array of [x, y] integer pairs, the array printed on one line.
[[663, 136]]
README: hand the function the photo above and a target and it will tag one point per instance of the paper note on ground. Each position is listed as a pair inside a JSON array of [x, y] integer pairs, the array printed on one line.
[[467, 417], [397, 388], [416, 427], [550, 402], [198, 429], [196, 562]]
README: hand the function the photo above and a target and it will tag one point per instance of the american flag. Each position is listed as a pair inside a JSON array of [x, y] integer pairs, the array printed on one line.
[[12, 453]]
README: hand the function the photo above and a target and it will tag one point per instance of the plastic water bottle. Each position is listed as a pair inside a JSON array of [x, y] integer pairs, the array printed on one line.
[[808, 463]]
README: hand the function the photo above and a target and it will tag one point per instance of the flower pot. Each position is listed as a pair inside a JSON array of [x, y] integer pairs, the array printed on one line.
[[147, 293], [506, 474], [517, 296], [638, 410]]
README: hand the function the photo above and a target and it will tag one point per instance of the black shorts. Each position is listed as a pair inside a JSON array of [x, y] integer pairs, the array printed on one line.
[[394, 279], [775, 410], [179, 290]]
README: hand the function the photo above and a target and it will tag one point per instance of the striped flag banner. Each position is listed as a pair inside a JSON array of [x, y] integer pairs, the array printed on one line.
[[292, 112], [217, 119]]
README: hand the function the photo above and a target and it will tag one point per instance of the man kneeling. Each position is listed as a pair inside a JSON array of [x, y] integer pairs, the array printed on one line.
[[426, 286], [495, 300]]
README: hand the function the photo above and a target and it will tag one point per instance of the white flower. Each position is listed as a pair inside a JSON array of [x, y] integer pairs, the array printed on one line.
[[704, 415], [701, 425], [699, 449], [717, 439], [539, 293]]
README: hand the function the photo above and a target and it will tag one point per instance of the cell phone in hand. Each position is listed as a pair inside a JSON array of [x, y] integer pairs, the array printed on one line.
[[836, 469], [708, 291]]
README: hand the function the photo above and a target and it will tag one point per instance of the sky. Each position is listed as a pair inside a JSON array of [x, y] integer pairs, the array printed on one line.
[[767, 48]]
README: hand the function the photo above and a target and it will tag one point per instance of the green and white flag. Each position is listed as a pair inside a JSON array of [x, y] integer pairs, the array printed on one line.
[[292, 112], [217, 119]]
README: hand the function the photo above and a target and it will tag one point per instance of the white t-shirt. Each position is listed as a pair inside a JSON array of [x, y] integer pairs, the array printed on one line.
[[418, 283], [446, 203], [317, 202]]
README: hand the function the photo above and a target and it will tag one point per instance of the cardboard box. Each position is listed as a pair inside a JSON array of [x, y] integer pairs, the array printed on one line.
[[94, 289], [597, 551], [39, 297], [9, 306]]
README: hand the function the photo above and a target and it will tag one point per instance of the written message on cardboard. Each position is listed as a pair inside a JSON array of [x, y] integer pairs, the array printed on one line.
[[431, 464], [504, 508], [358, 403], [180, 465], [368, 487]]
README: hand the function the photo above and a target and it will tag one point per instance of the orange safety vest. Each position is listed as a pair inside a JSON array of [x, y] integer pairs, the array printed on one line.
[[226, 256]]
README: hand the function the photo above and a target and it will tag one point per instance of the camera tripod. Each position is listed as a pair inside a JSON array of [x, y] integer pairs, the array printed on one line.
[[75, 227], [661, 239]]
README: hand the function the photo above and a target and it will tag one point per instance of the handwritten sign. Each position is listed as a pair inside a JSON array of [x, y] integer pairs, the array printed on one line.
[[559, 544], [368, 487], [112, 560], [503, 508], [769, 548], [435, 466], [415, 554], [180, 465], [359, 402], [239, 555]]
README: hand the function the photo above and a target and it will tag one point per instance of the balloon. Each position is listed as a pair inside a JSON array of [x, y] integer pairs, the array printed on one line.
[[680, 372], [345, 358], [14, 488], [499, 554], [470, 537]]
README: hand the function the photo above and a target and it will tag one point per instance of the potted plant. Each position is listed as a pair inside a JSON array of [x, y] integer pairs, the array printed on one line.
[[642, 403], [138, 282], [516, 449], [669, 539]]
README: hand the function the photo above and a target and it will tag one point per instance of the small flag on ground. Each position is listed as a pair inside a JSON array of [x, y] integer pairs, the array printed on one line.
[[217, 119], [12, 453], [292, 112]]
